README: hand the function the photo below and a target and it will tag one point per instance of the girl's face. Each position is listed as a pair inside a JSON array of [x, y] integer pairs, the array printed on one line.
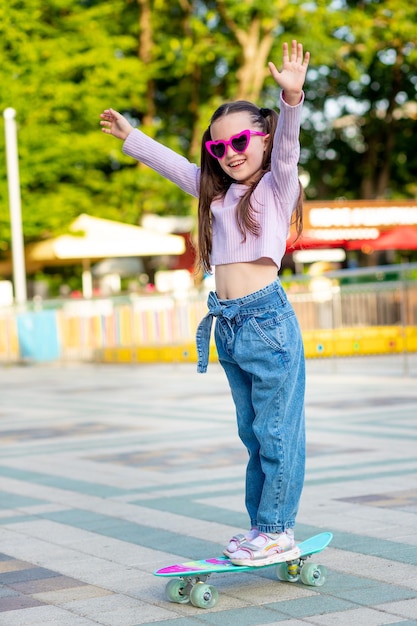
[[243, 167]]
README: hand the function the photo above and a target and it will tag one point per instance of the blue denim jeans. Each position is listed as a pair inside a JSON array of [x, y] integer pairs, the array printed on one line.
[[260, 347]]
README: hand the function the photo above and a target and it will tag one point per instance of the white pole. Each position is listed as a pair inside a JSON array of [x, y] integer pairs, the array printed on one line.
[[87, 279], [18, 254]]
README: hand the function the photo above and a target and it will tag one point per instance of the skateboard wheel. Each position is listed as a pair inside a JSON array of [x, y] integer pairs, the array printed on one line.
[[203, 596], [313, 575], [287, 573], [176, 591]]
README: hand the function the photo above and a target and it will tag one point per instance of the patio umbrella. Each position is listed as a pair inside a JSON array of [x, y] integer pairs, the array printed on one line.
[[123, 266], [100, 239]]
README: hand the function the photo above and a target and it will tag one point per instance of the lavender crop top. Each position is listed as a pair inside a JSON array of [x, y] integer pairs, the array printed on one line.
[[274, 199]]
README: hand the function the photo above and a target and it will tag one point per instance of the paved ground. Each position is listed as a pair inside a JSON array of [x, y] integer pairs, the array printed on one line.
[[109, 472]]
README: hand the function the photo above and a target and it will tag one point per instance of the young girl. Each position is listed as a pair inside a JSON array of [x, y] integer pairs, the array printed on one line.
[[248, 191]]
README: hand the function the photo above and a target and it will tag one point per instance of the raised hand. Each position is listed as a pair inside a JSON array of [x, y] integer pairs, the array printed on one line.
[[113, 123], [294, 68]]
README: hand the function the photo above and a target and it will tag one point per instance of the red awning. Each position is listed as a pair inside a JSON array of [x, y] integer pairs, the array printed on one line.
[[399, 238], [309, 243]]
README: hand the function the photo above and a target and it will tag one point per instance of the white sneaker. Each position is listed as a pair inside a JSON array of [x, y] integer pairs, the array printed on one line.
[[237, 540], [267, 549]]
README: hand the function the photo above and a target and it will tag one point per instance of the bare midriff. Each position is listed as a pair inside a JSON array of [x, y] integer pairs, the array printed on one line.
[[236, 280]]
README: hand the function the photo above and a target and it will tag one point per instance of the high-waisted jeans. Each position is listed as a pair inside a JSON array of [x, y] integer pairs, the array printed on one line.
[[260, 347]]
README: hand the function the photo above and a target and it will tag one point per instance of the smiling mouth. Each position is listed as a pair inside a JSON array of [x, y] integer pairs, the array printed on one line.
[[236, 163]]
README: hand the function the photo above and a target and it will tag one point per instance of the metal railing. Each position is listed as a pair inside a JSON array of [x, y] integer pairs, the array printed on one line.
[[383, 296]]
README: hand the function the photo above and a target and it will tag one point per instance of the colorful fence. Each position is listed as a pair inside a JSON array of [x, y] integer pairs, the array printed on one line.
[[357, 320]]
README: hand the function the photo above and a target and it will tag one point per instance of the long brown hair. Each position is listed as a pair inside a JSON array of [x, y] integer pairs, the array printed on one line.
[[214, 182]]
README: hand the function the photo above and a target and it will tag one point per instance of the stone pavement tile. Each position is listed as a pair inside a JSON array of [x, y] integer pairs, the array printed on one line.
[[13, 518], [384, 570], [14, 501], [61, 559], [313, 605], [66, 483], [363, 616], [24, 575], [365, 591], [15, 602], [293, 622], [42, 508], [245, 616], [195, 620], [6, 592], [116, 609], [405, 608], [44, 615], [71, 594], [49, 584], [9, 564]]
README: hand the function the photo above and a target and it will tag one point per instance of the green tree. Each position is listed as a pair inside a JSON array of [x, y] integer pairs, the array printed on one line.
[[168, 66], [60, 64], [364, 108]]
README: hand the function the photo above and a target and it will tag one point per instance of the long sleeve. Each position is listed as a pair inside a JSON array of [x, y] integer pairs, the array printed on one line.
[[286, 154], [163, 160]]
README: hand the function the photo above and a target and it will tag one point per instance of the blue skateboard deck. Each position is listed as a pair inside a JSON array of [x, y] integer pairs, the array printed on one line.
[[189, 578]]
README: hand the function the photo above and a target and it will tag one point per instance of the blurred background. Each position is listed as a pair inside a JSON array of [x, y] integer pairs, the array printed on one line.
[[108, 243]]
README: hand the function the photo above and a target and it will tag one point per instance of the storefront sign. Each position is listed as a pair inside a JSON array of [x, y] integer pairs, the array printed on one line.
[[351, 220]]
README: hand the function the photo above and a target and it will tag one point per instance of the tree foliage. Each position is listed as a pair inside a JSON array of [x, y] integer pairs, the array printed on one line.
[[168, 65], [370, 92]]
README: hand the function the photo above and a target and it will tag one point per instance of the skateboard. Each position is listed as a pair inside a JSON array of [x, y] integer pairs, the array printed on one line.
[[189, 580]]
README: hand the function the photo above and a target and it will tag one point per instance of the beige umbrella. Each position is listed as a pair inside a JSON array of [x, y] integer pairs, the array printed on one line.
[[102, 238], [99, 239]]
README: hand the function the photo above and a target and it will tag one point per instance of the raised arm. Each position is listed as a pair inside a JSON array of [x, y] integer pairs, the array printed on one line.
[[163, 160], [293, 74], [286, 150]]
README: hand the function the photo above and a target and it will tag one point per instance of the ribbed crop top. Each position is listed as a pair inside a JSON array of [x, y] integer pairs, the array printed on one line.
[[274, 198]]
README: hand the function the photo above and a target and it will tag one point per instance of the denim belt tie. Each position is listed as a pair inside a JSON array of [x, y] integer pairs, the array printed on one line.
[[215, 309]]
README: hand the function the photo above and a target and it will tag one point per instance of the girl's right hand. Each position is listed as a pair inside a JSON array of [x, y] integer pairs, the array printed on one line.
[[113, 123]]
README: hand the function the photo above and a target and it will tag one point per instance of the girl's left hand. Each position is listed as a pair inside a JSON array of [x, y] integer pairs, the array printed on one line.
[[294, 68]]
